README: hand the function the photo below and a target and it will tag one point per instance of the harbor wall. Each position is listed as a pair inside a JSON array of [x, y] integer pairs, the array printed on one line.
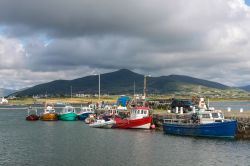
[[243, 125]]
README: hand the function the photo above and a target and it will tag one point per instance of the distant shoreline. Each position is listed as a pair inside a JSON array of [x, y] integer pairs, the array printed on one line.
[[109, 99]]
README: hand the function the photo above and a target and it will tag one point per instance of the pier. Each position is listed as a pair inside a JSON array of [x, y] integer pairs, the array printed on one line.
[[243, 119]]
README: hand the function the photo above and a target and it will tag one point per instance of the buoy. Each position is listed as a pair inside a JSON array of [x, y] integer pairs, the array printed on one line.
[[241, 110], [153, 126], [228, 109]]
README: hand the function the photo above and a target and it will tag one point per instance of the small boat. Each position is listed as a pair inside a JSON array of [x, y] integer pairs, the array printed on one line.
[[202, 124], [32, 114], [90, 119], [68, 114], [84, 113], [49, 114], [101, 123], [139, 118]]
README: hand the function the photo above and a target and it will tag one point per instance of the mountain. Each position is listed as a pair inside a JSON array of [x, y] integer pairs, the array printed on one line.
[[121, 82], [246, 88], [6, 92]]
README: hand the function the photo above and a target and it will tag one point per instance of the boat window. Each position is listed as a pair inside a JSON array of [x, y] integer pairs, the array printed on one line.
[[138, 111], [205, 116], [215, 115], [141, 111], [145, 112], [221, 116]]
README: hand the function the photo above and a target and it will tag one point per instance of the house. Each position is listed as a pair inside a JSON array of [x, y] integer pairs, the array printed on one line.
[[3, 101]]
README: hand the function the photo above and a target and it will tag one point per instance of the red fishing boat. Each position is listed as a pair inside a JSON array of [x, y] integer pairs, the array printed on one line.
[[32, 114], [139, 118]]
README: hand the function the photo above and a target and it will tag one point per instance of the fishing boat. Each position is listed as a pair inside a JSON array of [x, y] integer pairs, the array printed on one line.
[[139, 118], [32, 114], [202, 124], [101, 123], [68, 114], [49, 114], [84, 113]]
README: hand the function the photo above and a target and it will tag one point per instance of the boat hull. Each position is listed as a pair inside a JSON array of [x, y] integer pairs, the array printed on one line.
[[32, 118], [68, 117], [142, 123], [104, 124], [225, 129], [83, 116], [49, 117]]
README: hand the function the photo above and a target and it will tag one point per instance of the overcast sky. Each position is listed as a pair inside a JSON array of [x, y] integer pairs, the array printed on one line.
[[45, 40]]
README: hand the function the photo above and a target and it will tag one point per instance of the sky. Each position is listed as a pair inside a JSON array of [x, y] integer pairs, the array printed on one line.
[[47, 40]]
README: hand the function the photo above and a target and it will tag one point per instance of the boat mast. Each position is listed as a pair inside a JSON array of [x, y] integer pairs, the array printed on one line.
[[145, 86], [134, 88]]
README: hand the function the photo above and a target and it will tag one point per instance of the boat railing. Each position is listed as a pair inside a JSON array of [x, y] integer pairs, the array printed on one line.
[[178, 121]]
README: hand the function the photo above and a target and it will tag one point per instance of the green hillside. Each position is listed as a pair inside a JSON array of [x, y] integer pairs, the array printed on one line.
[[122, 82]]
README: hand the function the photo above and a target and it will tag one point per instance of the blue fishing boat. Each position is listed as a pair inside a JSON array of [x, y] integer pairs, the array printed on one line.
[[84, 113], [204, 124]]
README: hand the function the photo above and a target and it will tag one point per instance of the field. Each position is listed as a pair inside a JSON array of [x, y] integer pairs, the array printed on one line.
[[21, 101]]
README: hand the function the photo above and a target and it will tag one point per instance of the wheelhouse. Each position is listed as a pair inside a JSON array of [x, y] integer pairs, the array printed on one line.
[[208, 117], [139, 112], [68, 109]]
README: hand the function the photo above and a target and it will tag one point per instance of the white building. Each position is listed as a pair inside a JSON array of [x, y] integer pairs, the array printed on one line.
[[3, 101]]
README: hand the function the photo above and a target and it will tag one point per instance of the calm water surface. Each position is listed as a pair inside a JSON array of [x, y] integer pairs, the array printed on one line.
[[74, 143], [235, 106]]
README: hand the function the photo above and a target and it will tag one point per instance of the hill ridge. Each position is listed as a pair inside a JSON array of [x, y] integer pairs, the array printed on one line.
[[119, 82]]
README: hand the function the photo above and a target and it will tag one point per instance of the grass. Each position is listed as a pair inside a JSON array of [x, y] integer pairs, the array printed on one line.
[[22, 101]]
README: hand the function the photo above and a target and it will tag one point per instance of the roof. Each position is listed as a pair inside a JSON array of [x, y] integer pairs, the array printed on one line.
[[141, 108]]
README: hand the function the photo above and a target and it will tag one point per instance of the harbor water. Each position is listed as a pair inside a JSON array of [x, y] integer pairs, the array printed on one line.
[[74, 143], [235, 106]]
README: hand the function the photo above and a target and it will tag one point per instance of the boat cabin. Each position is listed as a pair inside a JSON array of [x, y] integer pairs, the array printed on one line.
[[68, 109], [49, 109], [203, 117], [87, 110], [139, 112], [32, 111], [210, 117]]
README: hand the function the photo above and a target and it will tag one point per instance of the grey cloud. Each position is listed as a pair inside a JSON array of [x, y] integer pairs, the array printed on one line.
[[199, 38]]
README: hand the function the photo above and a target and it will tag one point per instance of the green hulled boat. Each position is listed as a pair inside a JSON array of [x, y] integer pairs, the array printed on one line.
[[68, 114]]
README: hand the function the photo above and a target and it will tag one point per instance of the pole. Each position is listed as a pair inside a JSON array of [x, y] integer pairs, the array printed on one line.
[[99, 86], [71, 92], [134, 88], [145, 86]]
